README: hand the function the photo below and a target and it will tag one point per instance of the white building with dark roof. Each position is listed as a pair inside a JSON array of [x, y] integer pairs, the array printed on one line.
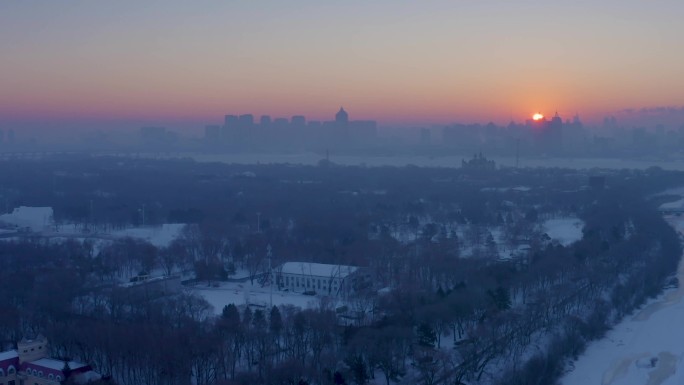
[[676, 207], [36, 219], [318, 278]]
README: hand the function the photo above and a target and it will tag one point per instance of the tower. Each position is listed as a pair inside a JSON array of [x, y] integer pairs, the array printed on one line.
[[555, 133], [342, 118], [229, 128], [576, 120], [230, 121], [32, 349]]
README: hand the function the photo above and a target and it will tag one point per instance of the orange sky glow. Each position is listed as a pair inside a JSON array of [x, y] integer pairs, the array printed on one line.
[[396, 63]]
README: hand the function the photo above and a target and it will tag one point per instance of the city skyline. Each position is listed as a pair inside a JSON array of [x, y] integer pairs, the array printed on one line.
[[127, 64]]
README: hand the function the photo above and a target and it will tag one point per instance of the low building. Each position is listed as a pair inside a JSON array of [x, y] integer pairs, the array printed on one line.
[[25, 218], [319, 278], [676, 208], [30, 364], [147, 288]]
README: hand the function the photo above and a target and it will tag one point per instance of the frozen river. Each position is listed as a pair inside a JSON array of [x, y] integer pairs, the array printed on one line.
[[646, 348], [310, 158]]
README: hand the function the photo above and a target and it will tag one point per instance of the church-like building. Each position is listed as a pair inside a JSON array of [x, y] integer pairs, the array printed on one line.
[[29, 364], [478, 163], [343, 131]]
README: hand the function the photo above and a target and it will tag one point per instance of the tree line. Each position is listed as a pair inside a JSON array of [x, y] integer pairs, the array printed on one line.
[[446, 318]]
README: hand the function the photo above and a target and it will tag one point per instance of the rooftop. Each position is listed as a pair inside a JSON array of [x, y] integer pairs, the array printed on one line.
[[8, 355], [57, 364], [317, 269]]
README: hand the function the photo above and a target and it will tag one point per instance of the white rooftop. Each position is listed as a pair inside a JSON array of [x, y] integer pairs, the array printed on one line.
[[36, 218], [673, 206], [56, 364], [317, 269], [8, 355]]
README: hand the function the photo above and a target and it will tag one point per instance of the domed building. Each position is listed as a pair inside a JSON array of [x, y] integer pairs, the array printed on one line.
[[342, 117]]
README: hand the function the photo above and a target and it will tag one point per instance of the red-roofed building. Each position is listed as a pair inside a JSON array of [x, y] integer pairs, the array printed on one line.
[[29, 365]]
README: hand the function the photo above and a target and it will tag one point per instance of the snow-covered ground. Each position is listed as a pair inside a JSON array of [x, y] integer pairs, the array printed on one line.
[[564, 230], [246, 293], [647, 348], [160, 236]]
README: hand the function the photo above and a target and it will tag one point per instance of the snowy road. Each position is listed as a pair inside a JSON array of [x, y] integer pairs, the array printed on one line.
[[646, 348]]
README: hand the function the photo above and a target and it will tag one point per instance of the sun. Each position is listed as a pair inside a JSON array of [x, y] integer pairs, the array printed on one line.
[[537, 116]]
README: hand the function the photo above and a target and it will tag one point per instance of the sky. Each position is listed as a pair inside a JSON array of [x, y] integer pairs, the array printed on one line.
[[184, 64]]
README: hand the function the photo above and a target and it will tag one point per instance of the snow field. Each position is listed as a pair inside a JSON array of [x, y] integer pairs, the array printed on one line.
[[646, 348]]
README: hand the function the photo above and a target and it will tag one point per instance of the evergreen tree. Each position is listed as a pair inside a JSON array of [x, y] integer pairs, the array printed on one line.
[[358, 368], [66, 371], [500, 298], [259, 320], [426, 335], [338, 379], [275, 321], [247, 316], [230, 317]]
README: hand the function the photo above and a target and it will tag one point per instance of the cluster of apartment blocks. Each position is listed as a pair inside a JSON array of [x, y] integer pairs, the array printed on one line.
[[243, 130]]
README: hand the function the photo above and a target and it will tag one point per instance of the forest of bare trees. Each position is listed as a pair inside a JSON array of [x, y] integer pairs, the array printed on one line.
[[447, 318]]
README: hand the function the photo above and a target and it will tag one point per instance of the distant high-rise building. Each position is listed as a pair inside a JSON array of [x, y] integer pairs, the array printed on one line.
[[576, 120], [574, 136], [280, 131], [299, 135], [548, 134], [281, 122], [245, 128], [342, 117], [246, 120], [609, 122], [241, 130], [425, 136], [229, 129], [555, 133], [230, 121]]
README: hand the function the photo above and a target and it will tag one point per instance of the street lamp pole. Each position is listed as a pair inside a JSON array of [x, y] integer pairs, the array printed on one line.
[[269, 254]]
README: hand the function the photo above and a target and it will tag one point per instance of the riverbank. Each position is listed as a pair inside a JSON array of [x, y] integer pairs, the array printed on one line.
[[646, 348]]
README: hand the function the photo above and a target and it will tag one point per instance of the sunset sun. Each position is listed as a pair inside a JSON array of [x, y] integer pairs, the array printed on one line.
[[537, 116]]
